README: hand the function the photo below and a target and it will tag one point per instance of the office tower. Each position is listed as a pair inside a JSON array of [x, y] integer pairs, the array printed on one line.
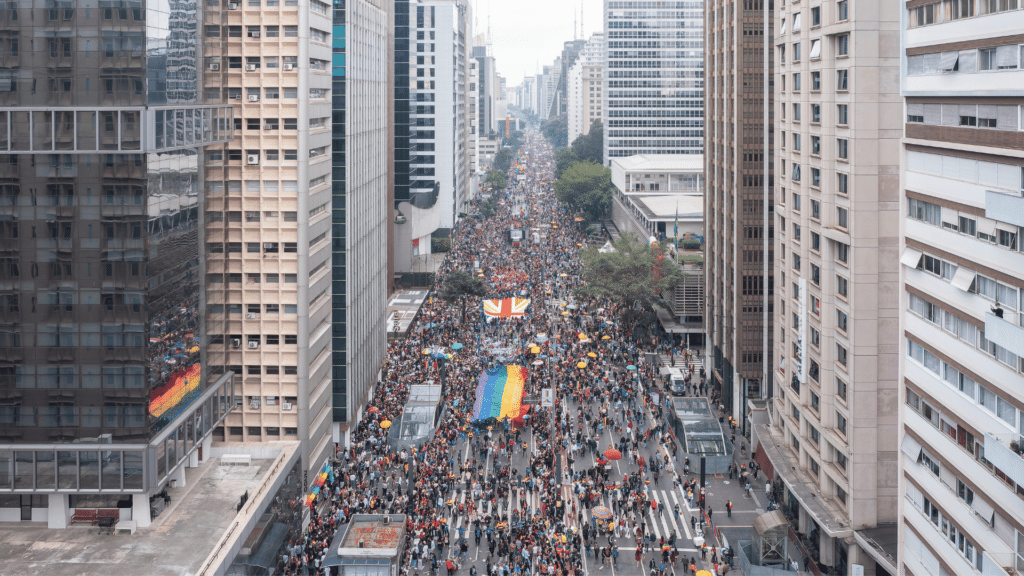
[[440, 95], [570, 54], [487, 88], [585, 95], [833, 434], [101, 184], [474, 123], [543, 92], [362, 203], [662, 112], [739, 203], [962, 182]]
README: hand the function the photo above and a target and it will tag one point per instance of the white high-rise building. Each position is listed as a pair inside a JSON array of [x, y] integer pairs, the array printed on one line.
[[961, 385], [585, 92], [661, 110]]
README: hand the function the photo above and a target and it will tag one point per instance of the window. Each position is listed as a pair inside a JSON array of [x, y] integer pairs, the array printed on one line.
[[842, 217], [796, 202], [993, 6], [843, 45], [815, 209], [796, 82], [925, 211], [843, 183], [841, 428], [923, 15], [816, 113], [841, 319], [816, 177], [291, 31], [815, 80], [843, 10], [796, 141], [796, 112], [843, 148], [815, 241], [842, 79], [815, 338], [796, 55], [842, 252], [968, 226], [842, 286], [815, 17], [796, 172]]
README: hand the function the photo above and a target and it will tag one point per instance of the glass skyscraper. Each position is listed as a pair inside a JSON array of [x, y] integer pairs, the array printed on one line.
[[102, 130]]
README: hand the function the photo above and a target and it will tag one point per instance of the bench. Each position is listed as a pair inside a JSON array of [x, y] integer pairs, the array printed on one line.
[[84, 516], [129, 525], [236, 460], [108, 514]]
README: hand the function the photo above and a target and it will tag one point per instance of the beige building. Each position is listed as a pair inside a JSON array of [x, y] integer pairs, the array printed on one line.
[[832, 437], [584, 96], [961, 368]]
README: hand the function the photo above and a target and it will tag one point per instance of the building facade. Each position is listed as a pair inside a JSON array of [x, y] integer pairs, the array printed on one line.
[[832, 437], [739, 198], [654, 78], [962, 182], [106, 390], [585, 88]]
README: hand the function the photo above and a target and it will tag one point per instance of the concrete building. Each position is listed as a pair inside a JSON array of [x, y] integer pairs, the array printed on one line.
[[833, 431], [662, 197], [962, 344], [738, 65], [487, 87], [585, 96], [662, 112], [106, 389]]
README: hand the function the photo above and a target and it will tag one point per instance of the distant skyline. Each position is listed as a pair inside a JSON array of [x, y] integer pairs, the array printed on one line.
[[528, 34]]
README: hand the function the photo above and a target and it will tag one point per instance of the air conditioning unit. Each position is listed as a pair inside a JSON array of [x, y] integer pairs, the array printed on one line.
[[233, 6], [254, 34], [250, 315], [253, 158], [254, 344], [235, 96], [289, 66], [254, 404], [286, 406], [250, 67], [236, 342], [268, 245], [214, 66], [254, 98]]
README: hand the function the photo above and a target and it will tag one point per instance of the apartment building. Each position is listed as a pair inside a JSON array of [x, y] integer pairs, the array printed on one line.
[[653, 90], [832, 438], [102, 396], [585, 83], [961, 370], [739, 200]]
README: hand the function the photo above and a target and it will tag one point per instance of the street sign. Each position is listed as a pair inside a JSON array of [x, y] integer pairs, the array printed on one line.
[[531, 399], [547, 397]]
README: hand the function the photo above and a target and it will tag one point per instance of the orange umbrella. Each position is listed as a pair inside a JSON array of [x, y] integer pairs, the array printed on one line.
[[591, 354], [373, 409], [385, 424], [612, 454]]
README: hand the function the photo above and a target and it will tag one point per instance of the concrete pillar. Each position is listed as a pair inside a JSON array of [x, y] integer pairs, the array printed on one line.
[[193, 459], [802, 520], [140, 510], [826, 549], [178, 477], [857, 555], [207, 448], [58, 512]]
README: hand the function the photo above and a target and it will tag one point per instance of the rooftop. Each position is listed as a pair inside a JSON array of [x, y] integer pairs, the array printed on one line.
[[665, 206], [662, 163], [176, 544]]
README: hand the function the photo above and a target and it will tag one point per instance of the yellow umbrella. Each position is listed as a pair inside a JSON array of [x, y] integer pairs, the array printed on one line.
[[581, 365], [535, 350], [704, 573], [606, 337], [565, 313], [564, 275], [582, 336], [578, 219], [580, 245], [426, 351], [385, 423], [193, 350], [555, 227], [591, 354]]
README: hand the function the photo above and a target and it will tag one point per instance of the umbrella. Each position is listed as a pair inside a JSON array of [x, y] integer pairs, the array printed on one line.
[[538, 362], [426, 351], [581, 365], [385, 424], [193, 349], [535, 350], [577, 219], [602, 512], [606, 337], [580, 245], [457, 346], [565, 313], [571, 306], [564, 275], [704, 573], [373, 409], [582, 336], [612, 454], [591, 354], [630, 367]]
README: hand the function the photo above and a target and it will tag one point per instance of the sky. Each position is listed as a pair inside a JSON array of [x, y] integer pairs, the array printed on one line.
[[527, 34]]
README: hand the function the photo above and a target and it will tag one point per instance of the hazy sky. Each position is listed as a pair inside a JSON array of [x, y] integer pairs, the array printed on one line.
[[527, 34]]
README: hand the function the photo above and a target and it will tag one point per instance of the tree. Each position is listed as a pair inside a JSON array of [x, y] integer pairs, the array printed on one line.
[[503, 160], [556, 130], [635, 273], [496, 179], [586, 187], [460, 285], [590, 146], [564, 157], [489, 208]]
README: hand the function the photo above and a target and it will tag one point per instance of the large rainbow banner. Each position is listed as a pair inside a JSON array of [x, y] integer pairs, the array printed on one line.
[[499, 394]]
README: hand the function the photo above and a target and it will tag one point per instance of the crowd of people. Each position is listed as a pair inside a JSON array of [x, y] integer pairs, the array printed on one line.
[[532, 518]]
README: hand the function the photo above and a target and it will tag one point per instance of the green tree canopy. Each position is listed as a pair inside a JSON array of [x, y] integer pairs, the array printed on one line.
[[590, 146], [564, 157], [636, 273], [556, 130], [496, 179], [586, 187], [489, 208], [503, 160], [460, 285]]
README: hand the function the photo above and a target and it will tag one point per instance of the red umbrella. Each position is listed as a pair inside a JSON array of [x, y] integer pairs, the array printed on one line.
[[612, 454], [373, 409]]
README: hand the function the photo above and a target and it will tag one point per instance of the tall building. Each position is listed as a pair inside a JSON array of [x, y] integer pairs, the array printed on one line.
[[662, 112], [487, 88], [962, 341], [832, 440], [584, 92], [361, 206], [103, 399], [440, 138], [739, 200]]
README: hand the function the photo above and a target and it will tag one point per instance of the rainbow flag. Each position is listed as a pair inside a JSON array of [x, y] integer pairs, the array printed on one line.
[[499, 394]]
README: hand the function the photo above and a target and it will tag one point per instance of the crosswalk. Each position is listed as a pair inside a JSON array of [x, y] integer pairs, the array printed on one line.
[[663, 522]]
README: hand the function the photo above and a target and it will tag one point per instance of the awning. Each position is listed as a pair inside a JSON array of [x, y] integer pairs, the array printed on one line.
[[948, 61], [986, 226], [983, 508], [964, 278], [911, 257], [911, 447]]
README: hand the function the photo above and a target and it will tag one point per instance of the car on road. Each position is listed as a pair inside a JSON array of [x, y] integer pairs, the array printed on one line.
[[677, 384]]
